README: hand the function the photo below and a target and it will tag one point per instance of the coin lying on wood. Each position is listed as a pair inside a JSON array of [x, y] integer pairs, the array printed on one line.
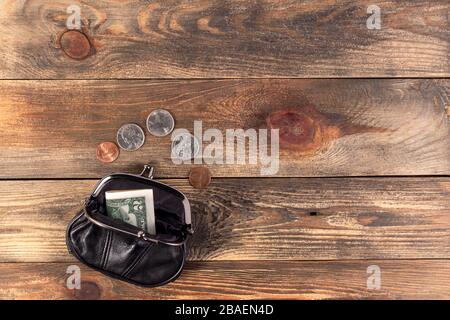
[[160, 122], [200, 177], [185, 146], [130, 137], [107, 152]]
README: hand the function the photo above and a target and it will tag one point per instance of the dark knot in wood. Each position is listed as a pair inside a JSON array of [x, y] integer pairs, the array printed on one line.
[[88, 291], [306, 131], [75, 44], [302, 129]]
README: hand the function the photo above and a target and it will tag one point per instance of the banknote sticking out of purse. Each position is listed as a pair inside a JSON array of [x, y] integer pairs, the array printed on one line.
[[127, 252]]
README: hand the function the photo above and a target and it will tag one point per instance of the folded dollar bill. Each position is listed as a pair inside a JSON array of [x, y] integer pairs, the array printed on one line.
[[132, 206]]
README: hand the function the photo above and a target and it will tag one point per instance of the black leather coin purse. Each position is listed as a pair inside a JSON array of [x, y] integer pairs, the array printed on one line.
[[126, 252]]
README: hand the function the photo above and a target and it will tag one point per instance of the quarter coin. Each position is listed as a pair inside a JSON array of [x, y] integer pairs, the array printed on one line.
[[130, 137], [200, 177], [185, 146], [107, 152], [160, 122]]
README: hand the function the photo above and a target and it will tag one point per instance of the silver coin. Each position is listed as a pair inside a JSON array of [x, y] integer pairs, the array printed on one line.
[[130, 137], [185, 146], [160, 122]]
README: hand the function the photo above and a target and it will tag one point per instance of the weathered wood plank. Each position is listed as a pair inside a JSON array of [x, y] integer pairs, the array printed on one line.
[[202, 38], [50, 129], [400, 279], [257, 219]]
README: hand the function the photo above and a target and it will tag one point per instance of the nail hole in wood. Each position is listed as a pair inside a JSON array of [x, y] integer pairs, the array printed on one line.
[[313, 213]]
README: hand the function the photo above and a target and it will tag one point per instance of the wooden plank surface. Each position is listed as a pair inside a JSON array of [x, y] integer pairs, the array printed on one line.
[[400, 279], [257, 219], [306, 237], [50, 129], [202, 38]]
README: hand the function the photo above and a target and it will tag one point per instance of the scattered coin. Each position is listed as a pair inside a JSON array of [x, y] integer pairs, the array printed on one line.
[[130, 137], [107, 152], [160, 122], [185, 146], [200, 177]]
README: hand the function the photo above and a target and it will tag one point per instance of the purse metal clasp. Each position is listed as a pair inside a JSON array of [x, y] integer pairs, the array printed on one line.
[[147, 168]]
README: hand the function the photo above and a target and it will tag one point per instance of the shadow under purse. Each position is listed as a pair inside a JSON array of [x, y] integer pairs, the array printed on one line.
[[126, 252]]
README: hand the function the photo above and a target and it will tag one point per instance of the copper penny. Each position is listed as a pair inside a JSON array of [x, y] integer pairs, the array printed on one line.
[[200, 177], [107, 152], [75, 44]]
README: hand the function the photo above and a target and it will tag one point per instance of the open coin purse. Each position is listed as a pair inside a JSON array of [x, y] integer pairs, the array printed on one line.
[[124, 251]]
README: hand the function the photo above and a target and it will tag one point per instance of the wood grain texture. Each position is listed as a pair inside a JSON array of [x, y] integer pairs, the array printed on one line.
[[50, 129], [245, 38], [257, 219], [401, 279]]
